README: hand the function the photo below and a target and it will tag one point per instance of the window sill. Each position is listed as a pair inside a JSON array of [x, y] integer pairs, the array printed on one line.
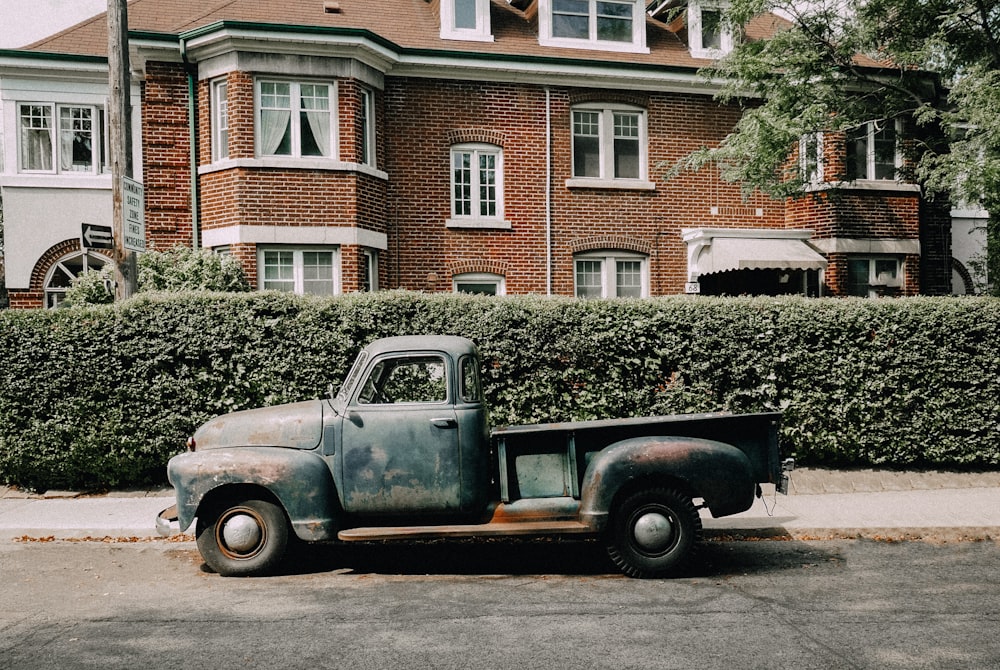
[[466, 36], [478, 224], [618, 47], [291, 163], [92, 181], [616, 184], [863, 185]]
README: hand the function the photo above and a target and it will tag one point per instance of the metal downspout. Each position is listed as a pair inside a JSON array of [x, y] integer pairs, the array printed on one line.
[[548, 192], [192, 153]]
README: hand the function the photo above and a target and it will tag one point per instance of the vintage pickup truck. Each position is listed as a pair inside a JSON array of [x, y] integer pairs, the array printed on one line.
[[403, 451]]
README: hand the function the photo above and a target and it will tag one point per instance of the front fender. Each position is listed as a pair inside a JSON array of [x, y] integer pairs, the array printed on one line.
[[300, 480], [718, 472]]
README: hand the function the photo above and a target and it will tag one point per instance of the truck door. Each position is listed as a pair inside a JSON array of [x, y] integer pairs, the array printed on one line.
[[400, 448]]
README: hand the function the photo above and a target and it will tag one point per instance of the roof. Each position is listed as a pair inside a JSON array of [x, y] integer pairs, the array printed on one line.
[[409, 25]]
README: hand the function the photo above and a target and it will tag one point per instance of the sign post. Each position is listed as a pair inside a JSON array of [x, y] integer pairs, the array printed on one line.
[[120, 124]]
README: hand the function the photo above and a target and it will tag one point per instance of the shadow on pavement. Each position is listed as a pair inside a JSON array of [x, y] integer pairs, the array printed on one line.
[[713, 558]]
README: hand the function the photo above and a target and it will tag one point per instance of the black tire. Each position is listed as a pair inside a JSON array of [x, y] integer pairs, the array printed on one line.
[[654, 532], [244, 539]]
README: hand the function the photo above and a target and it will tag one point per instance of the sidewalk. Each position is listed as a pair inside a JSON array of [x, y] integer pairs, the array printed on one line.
[[821, 504]]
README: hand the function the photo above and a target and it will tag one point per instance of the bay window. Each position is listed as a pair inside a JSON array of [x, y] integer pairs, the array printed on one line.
[[295, 119], [305, 271], [873, 151]]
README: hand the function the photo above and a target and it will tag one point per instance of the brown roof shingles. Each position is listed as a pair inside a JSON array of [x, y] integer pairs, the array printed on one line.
[[410, 24]]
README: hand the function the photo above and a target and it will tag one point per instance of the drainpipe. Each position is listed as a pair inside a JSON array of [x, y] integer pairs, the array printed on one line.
[[548, 192], [193, 153]]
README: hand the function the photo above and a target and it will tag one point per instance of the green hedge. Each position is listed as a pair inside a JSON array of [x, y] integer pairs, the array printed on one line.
[[103, 396]]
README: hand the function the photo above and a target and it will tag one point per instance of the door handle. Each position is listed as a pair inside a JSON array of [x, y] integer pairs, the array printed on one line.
[[444, 423]]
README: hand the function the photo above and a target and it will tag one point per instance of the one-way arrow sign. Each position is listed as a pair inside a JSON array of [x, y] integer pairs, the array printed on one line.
[[96, 237]]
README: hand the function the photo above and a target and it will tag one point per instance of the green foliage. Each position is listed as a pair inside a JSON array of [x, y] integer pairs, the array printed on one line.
[[93, 287], [103, 396], [185, 269], [835, 64]]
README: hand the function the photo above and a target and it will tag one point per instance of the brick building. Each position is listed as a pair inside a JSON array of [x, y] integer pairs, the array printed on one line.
[[443, 145]]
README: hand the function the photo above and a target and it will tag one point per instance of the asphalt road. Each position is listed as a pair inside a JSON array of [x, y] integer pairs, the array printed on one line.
[[765, 604]]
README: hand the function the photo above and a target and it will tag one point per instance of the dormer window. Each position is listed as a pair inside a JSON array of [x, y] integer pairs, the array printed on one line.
[[609, 25], [466, 20], [708, 34]]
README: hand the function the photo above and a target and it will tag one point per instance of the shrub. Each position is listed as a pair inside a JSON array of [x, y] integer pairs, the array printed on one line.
[[103, 396]]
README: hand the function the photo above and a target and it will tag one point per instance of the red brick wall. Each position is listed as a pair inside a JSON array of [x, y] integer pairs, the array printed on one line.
[[166, 155], [423, 117]]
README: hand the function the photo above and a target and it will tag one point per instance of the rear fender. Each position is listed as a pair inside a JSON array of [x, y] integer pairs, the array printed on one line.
[[718, 472], [299, 480]]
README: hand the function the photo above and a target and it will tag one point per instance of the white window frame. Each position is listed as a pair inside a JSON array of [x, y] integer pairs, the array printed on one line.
[[298, 279], [876, 279], [370, 275], [696, 40], [811, 163], [99, 138], [606, 142], [91, 260], [498, 281], [481, 31], [475, 219], [637, 44], [366, 153], [608, 261], [295, 110], [871, 128], [220, 119]]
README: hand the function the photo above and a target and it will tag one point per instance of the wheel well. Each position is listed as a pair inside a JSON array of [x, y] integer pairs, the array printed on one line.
[[219, 497], [642, 483]]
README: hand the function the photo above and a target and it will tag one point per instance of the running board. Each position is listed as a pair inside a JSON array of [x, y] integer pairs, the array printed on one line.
[[492, 529]]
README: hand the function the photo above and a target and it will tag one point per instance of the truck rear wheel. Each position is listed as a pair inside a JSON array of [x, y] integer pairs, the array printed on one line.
[[654, 531], [244, 539]]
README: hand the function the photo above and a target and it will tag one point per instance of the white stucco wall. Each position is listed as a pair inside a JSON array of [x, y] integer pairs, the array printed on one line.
[[35, 219]]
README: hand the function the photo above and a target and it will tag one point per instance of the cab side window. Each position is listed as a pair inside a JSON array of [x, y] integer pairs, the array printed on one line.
[[471, 390], [418, 379]]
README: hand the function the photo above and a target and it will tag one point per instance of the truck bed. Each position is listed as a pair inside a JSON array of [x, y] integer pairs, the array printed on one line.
[[549, 460]]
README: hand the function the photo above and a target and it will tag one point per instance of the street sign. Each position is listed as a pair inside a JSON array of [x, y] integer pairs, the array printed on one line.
[[134, 215], [93, 236]]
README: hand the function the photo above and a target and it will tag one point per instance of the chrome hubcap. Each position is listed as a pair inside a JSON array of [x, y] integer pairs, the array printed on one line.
[[653, 532], [241, 533]]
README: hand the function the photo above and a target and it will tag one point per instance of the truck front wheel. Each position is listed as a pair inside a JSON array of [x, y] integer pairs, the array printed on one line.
[[653, 532], [244, 539]]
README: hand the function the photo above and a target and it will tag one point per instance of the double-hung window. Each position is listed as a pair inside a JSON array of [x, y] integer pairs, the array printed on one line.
[[708, 34], [811, 158], [61, 138], [872, 277], [220, 120], [609, 143], [873, 151], [295, 119], [614, 25], [466, 20], [476, 184], [611, 274], [366, 121], [301, 271]]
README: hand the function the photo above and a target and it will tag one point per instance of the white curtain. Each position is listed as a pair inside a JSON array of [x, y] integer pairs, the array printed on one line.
[[319, 124], [273, 124], [36, 148]]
